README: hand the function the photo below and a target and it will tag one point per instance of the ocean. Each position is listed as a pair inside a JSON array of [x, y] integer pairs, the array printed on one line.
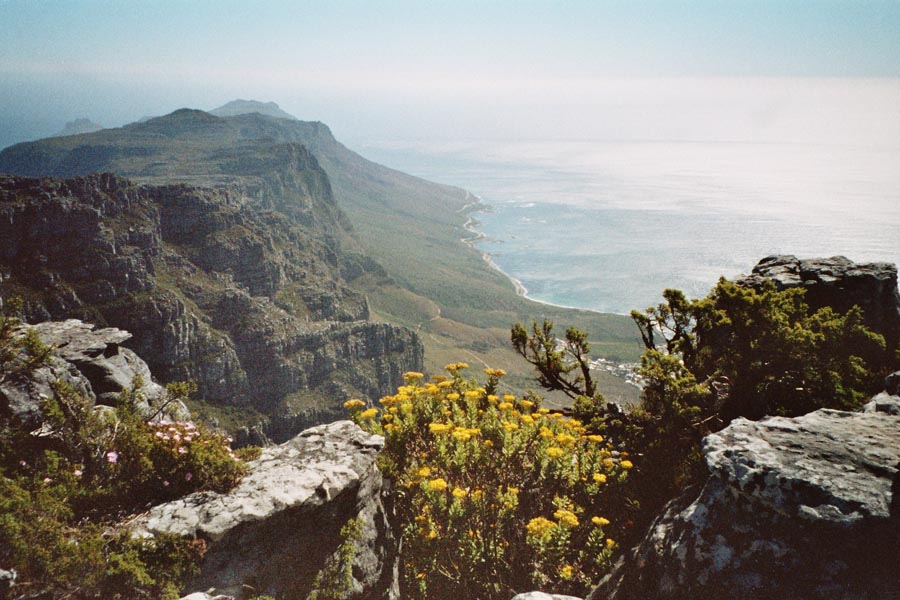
[[608, 226]]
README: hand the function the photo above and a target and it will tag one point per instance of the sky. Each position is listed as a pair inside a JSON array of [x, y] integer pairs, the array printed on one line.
[[505, 69]]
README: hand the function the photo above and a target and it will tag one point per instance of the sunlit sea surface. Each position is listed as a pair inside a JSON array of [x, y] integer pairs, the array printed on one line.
[[609, 225]]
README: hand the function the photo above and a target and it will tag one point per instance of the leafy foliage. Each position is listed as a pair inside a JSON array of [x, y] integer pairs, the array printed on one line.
[[495, 495]]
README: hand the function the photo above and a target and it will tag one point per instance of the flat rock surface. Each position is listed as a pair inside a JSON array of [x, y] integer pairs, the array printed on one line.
[[307, 471]]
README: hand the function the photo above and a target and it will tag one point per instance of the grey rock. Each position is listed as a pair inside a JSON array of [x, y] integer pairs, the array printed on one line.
[[892, 384], [883, 403], [94, 364], [274, 531], [206, 596], [793, 509], [839, 283], [542, 596]]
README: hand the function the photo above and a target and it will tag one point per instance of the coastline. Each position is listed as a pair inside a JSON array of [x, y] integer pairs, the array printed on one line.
[[477, 236]]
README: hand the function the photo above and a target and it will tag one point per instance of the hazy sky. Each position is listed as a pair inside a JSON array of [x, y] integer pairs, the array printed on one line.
[[694, 69]]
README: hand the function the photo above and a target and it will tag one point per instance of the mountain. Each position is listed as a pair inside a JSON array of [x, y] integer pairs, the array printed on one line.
[[79, 126], [403, 235], [235, 280], [246, 107]]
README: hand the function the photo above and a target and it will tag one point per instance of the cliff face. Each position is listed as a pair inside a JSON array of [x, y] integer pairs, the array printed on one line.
[[238, 286]]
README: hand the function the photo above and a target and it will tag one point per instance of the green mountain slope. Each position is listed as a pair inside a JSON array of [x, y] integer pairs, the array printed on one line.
[[431, 280]]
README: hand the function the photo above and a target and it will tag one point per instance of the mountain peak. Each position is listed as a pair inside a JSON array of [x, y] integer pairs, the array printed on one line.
[[79, 126], [243, 107]]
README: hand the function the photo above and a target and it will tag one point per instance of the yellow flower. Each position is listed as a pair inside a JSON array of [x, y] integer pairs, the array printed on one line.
[[546, 433], [539, 527], [472, 395], [461, 435], [510, 426], [528, 419], [459, 493], [477, 494], [368, 413], [406, 408], [600, 521], [564, 439], [488, 444], [453, 367], [505, 406], [599, 478], [513, 490], [566, 572], [626, 464], [437, 485], [439, 427], [444, 384], [526, 403], [509, 398], [595, 438], [608, 463], [411, 376], [610, 543], [492, 398], [543, 411], [387, 418], [495, 372], [566, 517], [454, 396], [554, 452], [423, 472], [351, 404]]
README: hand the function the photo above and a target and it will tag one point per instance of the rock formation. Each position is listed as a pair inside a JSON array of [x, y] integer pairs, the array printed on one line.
[[237, 287], [793, 509], [839, 283], [94, 363], [273, 533]]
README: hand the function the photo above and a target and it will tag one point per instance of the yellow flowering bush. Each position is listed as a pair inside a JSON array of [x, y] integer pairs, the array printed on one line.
[[494, 497]]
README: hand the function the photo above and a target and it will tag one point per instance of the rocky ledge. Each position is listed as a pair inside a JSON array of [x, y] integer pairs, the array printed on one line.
[[798, 508], [94, 363], [274, 532]]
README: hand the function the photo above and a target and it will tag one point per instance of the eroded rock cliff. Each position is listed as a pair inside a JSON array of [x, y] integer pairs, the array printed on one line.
[[237, 286]]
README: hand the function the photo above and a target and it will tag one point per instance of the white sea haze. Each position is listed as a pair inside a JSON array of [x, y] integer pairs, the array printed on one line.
[[609, 225]]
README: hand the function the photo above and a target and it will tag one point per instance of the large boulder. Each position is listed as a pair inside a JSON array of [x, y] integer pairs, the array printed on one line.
[[91, 361], [277, 529], [793, 509], [839, 283]]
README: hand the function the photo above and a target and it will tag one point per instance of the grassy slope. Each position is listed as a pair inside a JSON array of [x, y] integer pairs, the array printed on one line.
[[461, 307]]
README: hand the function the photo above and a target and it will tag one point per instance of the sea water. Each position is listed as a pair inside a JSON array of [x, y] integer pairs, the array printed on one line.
[[609, 225]]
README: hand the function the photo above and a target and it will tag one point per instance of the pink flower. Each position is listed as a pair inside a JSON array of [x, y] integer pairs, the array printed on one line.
[[182, 450], [112, 456], [165, 484], [188, 476], [47, 480], [77, 473]]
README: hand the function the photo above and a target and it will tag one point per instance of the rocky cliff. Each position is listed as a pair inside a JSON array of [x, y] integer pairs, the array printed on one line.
[[237, 286], [793, 509], [276, 531], [92, 361]]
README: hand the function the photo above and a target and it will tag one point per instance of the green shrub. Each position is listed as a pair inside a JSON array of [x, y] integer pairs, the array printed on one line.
[[64, 492], [495, 495]]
